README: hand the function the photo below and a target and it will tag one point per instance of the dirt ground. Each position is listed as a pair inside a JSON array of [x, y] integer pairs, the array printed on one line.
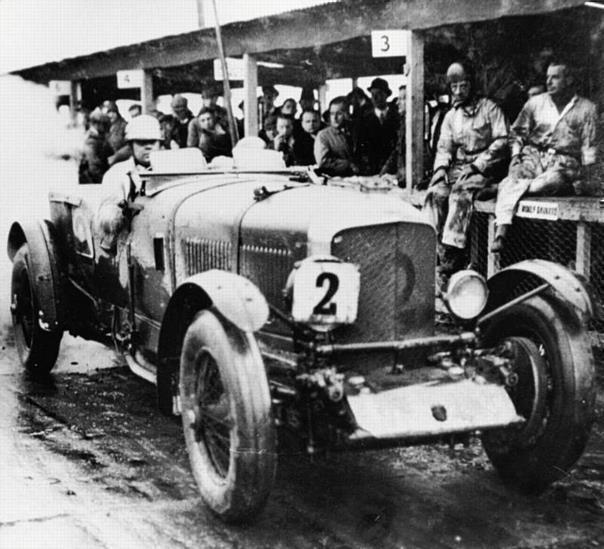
[[92, 432]]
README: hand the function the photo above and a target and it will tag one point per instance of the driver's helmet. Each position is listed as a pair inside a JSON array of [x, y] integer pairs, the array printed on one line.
[[143, 128]]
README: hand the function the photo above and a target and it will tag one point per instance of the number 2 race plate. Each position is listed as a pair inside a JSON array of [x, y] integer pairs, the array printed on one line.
[[326, 292]]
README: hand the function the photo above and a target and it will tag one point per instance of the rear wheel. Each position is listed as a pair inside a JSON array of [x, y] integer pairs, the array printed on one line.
[[226, 415], [555, 394], [37, 348]]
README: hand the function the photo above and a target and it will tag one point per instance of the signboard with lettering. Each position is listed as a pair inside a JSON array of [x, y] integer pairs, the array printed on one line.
[[60, 87], [130, 79], [389, 43], [234, 67], [538, 209]]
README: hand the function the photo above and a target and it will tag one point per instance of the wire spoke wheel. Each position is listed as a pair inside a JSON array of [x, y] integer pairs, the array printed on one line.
[[212, 424], [555, 393], [226, 415]]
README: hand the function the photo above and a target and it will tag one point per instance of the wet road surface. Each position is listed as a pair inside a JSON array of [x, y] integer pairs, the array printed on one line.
[[88, 461]]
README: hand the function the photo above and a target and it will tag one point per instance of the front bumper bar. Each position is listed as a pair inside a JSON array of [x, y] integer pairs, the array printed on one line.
[[465, 338]]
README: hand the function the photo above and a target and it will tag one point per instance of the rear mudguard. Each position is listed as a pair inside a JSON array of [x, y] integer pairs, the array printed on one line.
[[568, 288], [45, 266]]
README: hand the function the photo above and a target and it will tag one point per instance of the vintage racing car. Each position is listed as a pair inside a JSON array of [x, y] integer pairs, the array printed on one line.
[[265, 301]]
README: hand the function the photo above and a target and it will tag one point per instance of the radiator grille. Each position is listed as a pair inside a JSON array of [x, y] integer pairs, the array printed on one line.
[[202, 254], [396, 262]]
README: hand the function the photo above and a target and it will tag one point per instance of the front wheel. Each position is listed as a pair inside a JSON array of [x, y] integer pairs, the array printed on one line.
[[226, 416], [555, 393], [36, 347]]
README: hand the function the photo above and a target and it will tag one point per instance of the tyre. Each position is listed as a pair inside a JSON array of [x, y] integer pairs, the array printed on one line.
[[226, 417], [37, 348], [555, 393]]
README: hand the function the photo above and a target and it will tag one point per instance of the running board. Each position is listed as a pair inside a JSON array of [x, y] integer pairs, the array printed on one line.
[[432, 409]]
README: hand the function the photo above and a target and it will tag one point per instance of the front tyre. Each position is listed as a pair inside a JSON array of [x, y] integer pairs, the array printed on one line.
[[226, 416], [36, 347], [555, 394]]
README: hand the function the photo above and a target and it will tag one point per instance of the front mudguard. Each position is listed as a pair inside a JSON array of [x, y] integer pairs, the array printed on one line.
[[45, 267], [234, 297], [568, 289]]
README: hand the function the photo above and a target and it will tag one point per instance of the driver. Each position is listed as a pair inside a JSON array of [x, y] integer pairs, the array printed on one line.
[[122, 182]]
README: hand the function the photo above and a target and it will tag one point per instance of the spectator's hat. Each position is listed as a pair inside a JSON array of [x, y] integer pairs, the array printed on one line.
[[380, 84], [98, 117], [270, 90], [109, 106], [179, 101]]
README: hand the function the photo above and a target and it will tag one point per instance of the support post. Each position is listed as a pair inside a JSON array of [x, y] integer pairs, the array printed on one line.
[[322, 97], [583, 259], [414, 120], [250, 100], [75, 100], [147, 98]]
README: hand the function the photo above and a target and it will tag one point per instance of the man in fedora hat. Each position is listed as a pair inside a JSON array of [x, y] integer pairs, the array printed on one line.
[[378, 127]]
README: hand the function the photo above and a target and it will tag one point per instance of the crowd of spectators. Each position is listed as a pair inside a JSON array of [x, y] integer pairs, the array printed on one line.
[[469, 138], [292, 128]]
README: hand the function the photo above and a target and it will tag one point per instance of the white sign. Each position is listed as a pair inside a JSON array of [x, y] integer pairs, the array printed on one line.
[[234, 67], [60, 87], [538, 210], [389, 43], [326, 292], [130, 79]]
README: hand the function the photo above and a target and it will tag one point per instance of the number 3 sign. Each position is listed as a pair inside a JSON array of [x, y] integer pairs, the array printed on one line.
[[326, 292], [389, 43]]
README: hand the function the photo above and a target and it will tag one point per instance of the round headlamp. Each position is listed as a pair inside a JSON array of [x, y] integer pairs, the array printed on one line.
[[466, 294]]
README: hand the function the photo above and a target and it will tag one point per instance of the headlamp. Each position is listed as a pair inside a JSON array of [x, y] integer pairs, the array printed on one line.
[[466, 294]]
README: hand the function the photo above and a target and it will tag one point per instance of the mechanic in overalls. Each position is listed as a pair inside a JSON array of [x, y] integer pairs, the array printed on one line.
[[122, 182], [553, 143], [470, 157]]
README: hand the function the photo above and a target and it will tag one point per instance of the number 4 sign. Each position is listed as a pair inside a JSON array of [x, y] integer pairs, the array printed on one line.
[[389, 43], [326, 292]]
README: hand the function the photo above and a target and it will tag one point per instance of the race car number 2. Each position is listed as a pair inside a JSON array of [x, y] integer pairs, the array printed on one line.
[[326, 292]]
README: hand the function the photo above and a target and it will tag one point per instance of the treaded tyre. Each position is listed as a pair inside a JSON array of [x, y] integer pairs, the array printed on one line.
[[556, 395], [37, 348], [226, 417]]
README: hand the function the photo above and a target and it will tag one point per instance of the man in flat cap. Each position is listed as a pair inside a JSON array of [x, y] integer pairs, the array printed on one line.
[[182, 119]]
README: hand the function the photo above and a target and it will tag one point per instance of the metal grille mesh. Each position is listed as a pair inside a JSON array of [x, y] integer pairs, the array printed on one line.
[[373, 252], [527, 239], [596, 273], [479, 238], [540, 239], [202, 255], [543, 239], [397, 280], [268, 267]]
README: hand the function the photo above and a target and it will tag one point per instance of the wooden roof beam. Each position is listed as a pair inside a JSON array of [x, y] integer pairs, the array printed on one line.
[[330, 23]]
